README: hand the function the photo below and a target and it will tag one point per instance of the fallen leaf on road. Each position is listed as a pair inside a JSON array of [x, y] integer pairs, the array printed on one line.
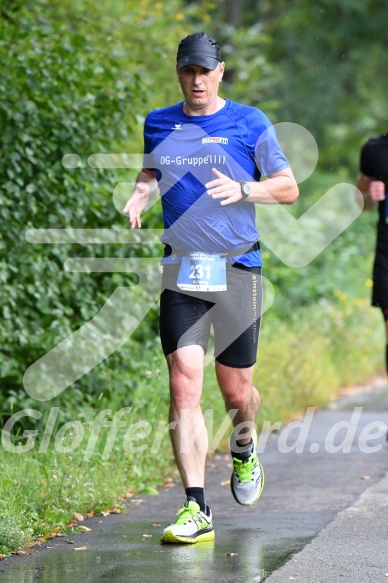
[[116, 509], [128, 494], [225, 483], [84, 528], [80, 549], [365, 478], [22, 553], [3, 557], [147, 535], [79, 517]]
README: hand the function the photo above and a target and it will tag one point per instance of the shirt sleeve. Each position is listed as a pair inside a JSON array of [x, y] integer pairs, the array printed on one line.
[[269, 156], [149, 146], [366, 161]]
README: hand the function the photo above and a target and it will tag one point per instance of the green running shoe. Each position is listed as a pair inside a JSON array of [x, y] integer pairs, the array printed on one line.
[[247, 481], [191, 526]]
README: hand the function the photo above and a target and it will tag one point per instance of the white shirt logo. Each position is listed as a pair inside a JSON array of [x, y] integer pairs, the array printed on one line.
[[214, 140], [178, 126]]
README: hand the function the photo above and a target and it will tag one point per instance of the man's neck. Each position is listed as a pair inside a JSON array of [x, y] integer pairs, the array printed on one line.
[[208, 110]]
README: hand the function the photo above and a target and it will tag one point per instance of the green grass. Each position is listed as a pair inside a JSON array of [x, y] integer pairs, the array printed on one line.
[[40, 491], [305, 361]]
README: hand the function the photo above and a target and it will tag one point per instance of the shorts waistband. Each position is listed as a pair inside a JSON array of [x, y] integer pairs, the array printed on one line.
[[241, 251]]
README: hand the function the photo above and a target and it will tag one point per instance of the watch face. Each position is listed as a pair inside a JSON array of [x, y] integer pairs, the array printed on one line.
[[246, 190]]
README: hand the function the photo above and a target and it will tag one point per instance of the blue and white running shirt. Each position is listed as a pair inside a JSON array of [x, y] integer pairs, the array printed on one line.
[[237, 140]]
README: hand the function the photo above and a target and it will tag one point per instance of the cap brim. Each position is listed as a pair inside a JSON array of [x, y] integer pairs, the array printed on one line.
[[201, 60]]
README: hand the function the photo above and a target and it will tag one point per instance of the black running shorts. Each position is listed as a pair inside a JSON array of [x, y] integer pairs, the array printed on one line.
[[186, 317]]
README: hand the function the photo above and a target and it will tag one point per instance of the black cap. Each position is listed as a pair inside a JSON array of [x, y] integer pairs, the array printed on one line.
[[198, 49]]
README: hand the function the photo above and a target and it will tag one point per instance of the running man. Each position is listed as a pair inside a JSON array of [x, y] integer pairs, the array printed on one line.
[[205, 157]]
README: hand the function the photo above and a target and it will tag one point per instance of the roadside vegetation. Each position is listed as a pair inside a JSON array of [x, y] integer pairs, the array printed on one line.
[[78, 78]]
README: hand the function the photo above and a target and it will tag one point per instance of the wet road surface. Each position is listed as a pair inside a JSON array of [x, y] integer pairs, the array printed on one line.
[[307, 525]]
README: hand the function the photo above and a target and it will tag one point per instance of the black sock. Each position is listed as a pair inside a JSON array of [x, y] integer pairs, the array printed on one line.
[[199, 495], [243, 455]]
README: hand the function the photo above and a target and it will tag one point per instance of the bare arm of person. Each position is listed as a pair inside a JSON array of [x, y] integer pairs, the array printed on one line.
[[280, 187], [146, 190], [372, 190]]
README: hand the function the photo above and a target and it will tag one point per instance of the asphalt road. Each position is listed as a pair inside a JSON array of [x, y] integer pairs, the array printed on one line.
[[323, 515]]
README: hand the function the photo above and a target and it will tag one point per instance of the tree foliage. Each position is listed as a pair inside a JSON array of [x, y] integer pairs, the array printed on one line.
[[333, 57], [58, 94]]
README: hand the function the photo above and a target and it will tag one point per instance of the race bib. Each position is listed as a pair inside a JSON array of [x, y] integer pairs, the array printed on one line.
[[202, 272]]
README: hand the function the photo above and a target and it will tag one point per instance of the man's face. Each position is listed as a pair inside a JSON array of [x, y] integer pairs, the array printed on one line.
[[200, 87]]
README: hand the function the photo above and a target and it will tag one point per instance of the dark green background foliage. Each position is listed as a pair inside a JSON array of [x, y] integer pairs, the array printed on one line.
[[58, 94]]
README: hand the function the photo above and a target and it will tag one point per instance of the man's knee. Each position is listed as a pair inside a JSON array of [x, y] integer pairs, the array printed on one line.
[[186, 374], [239, 399]]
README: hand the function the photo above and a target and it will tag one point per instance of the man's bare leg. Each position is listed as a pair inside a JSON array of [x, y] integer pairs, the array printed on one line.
[[190, 443], [189, 438], [247, 480], [239, 394]]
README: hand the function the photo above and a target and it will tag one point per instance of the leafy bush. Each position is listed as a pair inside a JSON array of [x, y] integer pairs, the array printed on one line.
[[58, 95]]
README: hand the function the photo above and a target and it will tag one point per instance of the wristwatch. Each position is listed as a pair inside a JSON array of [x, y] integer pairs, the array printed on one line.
[[245, 189]]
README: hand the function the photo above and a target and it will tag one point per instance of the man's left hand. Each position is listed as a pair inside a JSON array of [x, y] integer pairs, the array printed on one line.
[[224, 187]]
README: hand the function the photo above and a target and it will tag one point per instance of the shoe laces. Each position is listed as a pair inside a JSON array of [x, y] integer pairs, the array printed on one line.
[[187, 512], [244, 469]]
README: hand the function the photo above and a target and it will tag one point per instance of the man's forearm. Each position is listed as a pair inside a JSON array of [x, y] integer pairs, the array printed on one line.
[[148, 177], [276, 190]]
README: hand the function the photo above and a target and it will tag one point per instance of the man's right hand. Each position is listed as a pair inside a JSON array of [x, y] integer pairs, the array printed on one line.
[[146, 186]]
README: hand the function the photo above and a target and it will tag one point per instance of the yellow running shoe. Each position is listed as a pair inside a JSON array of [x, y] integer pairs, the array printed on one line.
[[191, 526], [247, 481]]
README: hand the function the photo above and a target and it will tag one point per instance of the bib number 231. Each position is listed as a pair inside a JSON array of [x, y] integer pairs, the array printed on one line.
[[202, 272]]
